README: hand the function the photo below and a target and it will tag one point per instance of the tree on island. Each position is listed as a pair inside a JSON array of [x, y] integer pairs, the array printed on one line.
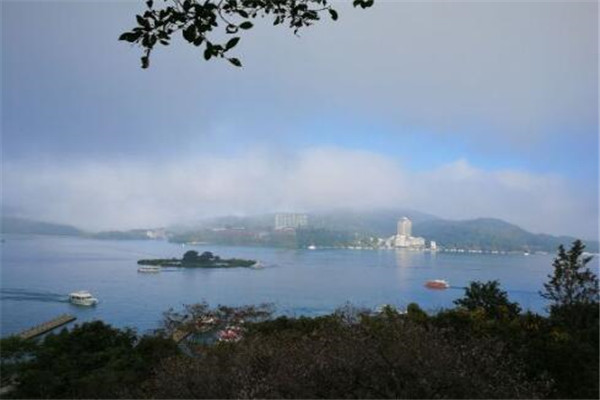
[[197, 19], [190, 256], [207, 256]]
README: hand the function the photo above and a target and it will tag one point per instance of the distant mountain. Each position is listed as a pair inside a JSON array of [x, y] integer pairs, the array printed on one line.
[[26, 226], [477, 234], [490, 234]]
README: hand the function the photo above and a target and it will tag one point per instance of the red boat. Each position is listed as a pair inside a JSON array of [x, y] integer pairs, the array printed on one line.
[[437, 284]]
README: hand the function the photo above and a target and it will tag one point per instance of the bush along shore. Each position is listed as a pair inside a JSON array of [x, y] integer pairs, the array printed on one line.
[[484, 347], [191, 259]]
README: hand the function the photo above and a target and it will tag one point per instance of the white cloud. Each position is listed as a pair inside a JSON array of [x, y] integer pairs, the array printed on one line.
[[141, 194]]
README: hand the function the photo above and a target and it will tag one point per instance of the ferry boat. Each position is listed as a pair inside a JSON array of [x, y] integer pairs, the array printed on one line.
[[149, 269], [83, 298], [437, 284]]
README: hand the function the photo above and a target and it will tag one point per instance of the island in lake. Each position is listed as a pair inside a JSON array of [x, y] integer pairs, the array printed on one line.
[[191, 259]]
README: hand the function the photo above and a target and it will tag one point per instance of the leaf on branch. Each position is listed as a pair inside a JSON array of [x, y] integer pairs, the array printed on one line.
[[198, 41], [334, 14], [130, 36], [235, 62], [231, 43], [207, 53], [142, 22], [246, 25], [190, 33]]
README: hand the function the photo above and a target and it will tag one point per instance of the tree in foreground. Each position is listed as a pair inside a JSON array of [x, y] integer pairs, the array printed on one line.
[[571, 352], [572, 282], [347, 354], [93, 360], [490, 298], [198, 20]]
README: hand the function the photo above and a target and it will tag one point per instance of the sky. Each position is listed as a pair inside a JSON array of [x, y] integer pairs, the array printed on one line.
[[457, 109]]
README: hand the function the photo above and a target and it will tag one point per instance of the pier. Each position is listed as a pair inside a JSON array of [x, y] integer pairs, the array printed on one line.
[[47, 326]]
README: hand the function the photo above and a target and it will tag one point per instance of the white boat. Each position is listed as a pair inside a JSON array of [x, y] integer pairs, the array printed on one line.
[[257, 265], [149, 269], [83, 298], [437, 284], [312, 247]]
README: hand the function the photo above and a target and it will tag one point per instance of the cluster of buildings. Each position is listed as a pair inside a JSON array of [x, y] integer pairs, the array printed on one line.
[[404, 238]]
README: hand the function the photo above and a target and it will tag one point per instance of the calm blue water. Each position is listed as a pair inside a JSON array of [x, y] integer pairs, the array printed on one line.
[[39, 271]]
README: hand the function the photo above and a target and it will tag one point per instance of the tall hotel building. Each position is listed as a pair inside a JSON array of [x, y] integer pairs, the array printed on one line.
[[405, 227], [404, 236]]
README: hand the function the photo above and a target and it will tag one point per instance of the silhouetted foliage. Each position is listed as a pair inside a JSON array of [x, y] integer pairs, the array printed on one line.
[[489, 298], [190, 256], [572, 282], [198, 19], [348, 354], [94, 360]]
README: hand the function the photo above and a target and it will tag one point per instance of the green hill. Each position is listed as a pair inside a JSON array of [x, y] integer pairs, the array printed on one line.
[[26, 226], [490, 234]]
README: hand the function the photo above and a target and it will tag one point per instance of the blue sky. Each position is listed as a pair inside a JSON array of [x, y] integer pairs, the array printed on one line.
[[460, 109]]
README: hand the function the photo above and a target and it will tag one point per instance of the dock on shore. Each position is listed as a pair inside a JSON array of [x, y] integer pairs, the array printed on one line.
[[47, 326]]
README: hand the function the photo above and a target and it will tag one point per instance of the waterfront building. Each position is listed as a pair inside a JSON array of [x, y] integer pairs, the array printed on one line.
[[433, 245], [404, 236], [404, 227], [290, 221]]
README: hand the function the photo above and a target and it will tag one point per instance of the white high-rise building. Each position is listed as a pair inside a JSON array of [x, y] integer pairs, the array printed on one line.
[[405, 227], [404, 236]]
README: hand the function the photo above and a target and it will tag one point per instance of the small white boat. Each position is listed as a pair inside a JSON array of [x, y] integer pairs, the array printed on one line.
[[312, 247], [257, 265], [149, 269], [437, 284], [83, 298]]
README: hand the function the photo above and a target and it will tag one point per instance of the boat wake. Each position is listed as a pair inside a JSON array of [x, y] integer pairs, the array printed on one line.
[[32, 295]]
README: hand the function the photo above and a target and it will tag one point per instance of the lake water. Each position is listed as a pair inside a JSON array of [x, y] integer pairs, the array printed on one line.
[[39, 271]]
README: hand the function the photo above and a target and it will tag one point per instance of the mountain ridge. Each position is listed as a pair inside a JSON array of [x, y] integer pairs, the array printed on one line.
[[478, 234]]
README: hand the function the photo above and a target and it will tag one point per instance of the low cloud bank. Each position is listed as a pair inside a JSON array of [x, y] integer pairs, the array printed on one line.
[[130, 194]]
